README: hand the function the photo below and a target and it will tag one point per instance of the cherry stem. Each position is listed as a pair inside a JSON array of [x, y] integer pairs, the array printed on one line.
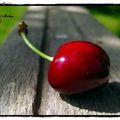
[[23, 33]]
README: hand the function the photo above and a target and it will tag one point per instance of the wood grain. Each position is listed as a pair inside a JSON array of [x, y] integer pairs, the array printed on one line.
[[65, 25], [19, 67]]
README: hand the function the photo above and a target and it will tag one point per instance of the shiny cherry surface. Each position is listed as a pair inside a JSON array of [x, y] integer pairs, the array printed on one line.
[[78, 66]]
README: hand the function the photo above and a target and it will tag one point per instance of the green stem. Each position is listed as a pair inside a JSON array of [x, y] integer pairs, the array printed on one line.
[[30, 45]]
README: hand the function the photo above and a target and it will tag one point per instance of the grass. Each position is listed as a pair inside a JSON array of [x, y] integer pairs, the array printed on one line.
[[7, 23], [109, 16]]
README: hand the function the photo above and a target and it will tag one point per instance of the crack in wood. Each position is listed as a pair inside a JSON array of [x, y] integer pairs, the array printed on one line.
[[77, 27], [37, 99]]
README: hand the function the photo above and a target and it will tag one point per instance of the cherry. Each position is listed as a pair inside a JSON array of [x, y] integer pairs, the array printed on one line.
[[78, 66]]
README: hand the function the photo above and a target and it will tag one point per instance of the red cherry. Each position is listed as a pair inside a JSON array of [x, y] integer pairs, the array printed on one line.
[[78, 66]]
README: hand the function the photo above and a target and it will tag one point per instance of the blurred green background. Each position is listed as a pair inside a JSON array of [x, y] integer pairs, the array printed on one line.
[[109, 16], [7, 24]]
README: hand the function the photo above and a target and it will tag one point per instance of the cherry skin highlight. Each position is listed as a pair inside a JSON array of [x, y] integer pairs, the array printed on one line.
[[77, 67]]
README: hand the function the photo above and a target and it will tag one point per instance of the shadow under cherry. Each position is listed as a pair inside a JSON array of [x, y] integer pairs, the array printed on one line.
[[105, 98]]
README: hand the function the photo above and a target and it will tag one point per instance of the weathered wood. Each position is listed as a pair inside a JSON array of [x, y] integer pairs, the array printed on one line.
[[66, 25], [19, 67], [61, 29]]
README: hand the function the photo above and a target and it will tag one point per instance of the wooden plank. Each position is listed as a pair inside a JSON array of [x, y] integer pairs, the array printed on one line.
[[19, 67], [103, 101], [61, 30], [95, 32]]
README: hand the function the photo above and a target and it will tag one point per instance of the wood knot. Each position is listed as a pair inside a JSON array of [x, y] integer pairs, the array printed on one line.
[[99, 42]]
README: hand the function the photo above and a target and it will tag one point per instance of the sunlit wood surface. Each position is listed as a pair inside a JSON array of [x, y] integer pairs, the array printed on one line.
[[23, 74]]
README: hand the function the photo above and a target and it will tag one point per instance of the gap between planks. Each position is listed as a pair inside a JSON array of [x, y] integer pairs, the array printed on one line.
[[63, 22]]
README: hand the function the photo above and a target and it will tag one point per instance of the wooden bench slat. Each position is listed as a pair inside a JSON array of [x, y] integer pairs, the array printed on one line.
[[95, 32], [103, 101], [19, 67], [61, 30]]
